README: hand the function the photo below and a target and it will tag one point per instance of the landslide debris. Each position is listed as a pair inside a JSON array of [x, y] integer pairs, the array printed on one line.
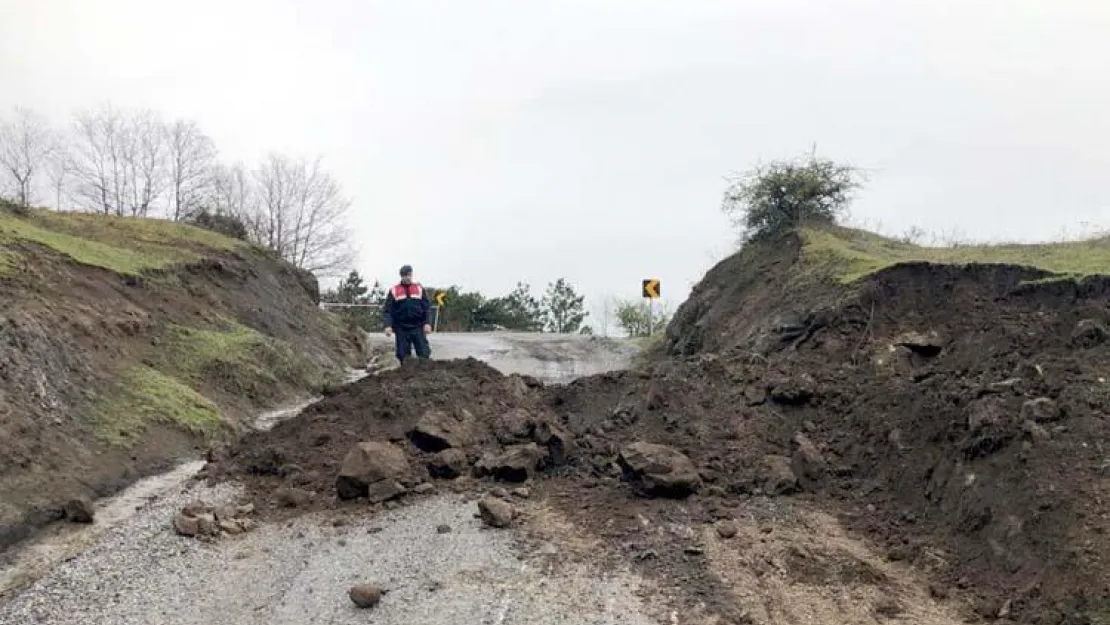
[[953, 415]]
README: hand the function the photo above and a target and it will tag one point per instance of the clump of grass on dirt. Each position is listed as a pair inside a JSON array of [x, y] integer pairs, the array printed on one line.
[[145, 396], [235, 358], [125, 245], [849, 255]]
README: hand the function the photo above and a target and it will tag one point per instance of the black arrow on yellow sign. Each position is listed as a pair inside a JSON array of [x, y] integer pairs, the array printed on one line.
[[650, 288], [441, 297]]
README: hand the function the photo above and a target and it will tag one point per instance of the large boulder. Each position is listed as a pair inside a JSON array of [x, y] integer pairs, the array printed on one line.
[[658, 470], [368, 463], [516, 463], [438, 430]]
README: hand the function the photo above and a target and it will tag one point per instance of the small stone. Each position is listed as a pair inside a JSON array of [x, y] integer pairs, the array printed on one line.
[[196, 508], [230, 526], [443, 529], [365, 595], [293, 497], [694, 550], [246, 509], [207, 525], [495, 512], [421, 489], [522, 492], [340, 522], [186, 525], [727, 528], [79, 511], [226, 513], [500, 493]]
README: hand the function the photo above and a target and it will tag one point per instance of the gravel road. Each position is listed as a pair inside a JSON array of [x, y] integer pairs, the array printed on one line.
[[138, 571]]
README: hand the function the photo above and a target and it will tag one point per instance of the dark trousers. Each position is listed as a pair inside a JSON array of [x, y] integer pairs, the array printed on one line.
[[409, 338]]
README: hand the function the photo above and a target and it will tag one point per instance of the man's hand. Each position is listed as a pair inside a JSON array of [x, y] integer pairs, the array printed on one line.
[[389, 331], [427, 329]]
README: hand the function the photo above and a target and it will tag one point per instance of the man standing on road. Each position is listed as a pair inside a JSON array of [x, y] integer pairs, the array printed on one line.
[[408, 314]]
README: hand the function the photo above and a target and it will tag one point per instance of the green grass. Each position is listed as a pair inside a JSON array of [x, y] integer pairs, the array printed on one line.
[[8, 259], [237, 359], [848, 255], [125, 245], [147, 396]]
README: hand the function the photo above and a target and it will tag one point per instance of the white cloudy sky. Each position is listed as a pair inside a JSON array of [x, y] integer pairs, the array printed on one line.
[[491, 141]]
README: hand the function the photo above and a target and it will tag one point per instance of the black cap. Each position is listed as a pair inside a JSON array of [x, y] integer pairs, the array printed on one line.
[[406, 270]]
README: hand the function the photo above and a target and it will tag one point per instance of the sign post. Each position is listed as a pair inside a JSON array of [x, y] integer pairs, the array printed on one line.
[[650, 290], [441, 298]]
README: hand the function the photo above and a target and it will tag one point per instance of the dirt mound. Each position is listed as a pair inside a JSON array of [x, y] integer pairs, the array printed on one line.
[[449, 418], [955, 414]]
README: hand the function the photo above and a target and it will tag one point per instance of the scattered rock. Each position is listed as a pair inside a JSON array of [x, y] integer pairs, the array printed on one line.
[[226, 513], [694, 550], [246, 509], [500, 493], [293, 497], [384, 491], [421, 489], [938, 591], [443, 529], [923, 344], [1036, 432], [514, 426], [367, 463], [437, 430], [554, 439], [186, 525], [206, 523], [807, 462], [727, 528], [196, 508], [1089, 333], [522, 492], [496, 512], [365, 595], [230, 526], [79, 511], [778, 476], [1041, 410], [888, 607], [448, 464], [658, 470], [516, 464], [793, 391]]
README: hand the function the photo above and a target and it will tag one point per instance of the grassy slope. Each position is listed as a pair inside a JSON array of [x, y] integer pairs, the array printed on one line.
[[170, 389], [125, 245], [849, 255]]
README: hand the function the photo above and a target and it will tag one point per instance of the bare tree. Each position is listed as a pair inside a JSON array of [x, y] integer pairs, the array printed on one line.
[[302, 213], [60, 173], [99, 168], [192, 157], [26, 143], [120, 161], [146, 154]]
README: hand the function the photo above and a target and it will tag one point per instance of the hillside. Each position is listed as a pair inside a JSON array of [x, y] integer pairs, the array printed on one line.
[[129, 343], [950, 403]]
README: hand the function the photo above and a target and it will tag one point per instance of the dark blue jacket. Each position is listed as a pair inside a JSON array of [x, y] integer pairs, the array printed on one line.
[[407, 307]]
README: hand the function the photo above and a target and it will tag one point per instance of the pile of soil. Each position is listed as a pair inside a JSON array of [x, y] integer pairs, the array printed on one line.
[[450, 418], [956, 416]]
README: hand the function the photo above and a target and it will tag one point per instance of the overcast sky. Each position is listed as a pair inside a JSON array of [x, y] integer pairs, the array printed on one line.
[[491, 141]]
